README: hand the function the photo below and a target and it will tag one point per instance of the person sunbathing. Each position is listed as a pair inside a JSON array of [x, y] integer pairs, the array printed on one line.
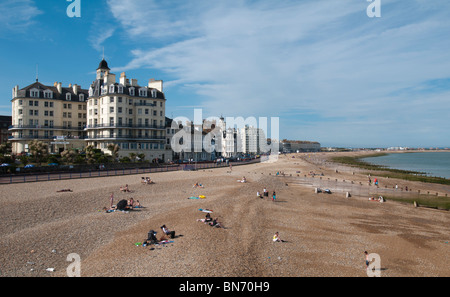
[[197, 185], [216, 223], [125, 189], [65, 190]]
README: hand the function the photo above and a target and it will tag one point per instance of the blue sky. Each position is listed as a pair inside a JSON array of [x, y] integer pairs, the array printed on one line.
[[328, 71]]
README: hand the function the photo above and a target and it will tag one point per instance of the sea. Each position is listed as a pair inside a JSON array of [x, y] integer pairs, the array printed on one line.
[[431, 163]]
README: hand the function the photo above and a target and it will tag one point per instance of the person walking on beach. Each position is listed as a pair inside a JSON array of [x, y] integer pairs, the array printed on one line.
[[367, 259], [274, 196]]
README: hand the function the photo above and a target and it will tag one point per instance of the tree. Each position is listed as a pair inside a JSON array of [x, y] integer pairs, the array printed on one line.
[[69, 156], [114, 149], [90, 154], [38, 150]]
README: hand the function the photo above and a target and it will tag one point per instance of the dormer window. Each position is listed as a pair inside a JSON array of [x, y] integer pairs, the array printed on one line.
[[111, 88], [48, 94], [143, 92], [131, 91], [82, 97], [120, 89], [68, 96], [34, 93], [154, 93]]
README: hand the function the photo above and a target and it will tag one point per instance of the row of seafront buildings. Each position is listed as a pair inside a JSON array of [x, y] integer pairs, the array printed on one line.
[[119, 112]]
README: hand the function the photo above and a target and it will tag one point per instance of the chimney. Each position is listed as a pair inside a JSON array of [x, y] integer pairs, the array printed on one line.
[[15, 91], [134, 82], [123, 79], [59, 87], [75, 88], [156, 84]]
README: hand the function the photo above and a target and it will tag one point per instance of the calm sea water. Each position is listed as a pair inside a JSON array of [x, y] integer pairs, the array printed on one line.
[[431, 163]]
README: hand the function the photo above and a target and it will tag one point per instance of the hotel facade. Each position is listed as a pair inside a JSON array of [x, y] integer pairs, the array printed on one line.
[[119, 113]]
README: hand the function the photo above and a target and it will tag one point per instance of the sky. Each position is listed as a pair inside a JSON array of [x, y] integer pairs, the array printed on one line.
[[327, 70]]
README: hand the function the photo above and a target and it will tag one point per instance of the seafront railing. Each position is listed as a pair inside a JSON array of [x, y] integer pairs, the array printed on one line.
[[40, 177]]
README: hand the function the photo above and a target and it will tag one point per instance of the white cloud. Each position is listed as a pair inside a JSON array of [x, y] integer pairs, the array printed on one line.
[[270, 58], [17, 15], [99, 37]]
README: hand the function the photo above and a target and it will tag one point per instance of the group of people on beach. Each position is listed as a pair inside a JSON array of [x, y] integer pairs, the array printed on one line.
[[122, 205], [266, 194], [211, 222], [146, 180], [164, 238]]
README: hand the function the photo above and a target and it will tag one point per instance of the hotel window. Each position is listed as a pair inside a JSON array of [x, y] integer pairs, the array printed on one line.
[[142, 93], [46, 104], [51, 104], [69, 115], [20, 102], [20, 111], [146, 111], [111, 109], [153, 93], [120, 90], [68, 96], [30, 103], [64, 114], [111, 88], [46, 113], [119, 109], [51, 113], [34, 93], [36, 112], [81, 97], [131, 91], [119, 99], [48, 94], [111, 99]]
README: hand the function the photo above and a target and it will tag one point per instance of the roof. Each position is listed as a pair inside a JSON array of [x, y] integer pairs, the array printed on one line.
[[103, 65], [25, 92]]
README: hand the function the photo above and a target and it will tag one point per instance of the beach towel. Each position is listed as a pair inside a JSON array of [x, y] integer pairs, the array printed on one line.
[[205, 210]]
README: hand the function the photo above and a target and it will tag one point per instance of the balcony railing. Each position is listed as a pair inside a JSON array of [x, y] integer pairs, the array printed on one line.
[[26, 137], [113, 126], [125, 137], [44, 127]]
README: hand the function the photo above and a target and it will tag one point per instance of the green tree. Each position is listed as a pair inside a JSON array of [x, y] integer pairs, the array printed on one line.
[[69, 156], [38, 150], [114, 149]]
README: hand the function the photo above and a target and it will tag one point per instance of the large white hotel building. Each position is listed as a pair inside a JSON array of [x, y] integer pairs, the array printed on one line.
[[109, 112]]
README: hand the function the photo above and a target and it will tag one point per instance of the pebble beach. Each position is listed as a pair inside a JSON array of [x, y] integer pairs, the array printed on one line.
[[323, 234]]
